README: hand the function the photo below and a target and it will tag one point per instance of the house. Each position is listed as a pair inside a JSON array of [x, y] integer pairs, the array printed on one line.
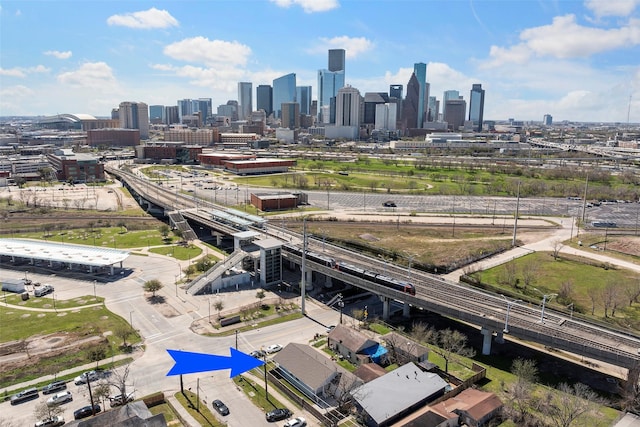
[[133, 414], [369, 372], [387, 399], [402, 349], [474, 408], [355, 346], [313, 373]]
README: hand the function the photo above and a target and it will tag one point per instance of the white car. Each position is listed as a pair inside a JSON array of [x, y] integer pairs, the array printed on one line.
[[54, 421], [296, 422], [86, 377], [274, 348], [60, 398]]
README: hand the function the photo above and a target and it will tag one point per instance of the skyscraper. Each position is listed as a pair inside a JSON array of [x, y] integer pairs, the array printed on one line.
[[245, 100], [264, 99], [205, 109], [371, 100], [290, 115], [476, 106], [172, 116], [420, 70], [185, 108], [432, 110], [135, 115], [386, 116], [337, 59], [455, 111], [156, 114], [395, 91], [410, 104], [329, 82], [448, 94], [547, 119], [284, 90], [348, 102], [303, 97]]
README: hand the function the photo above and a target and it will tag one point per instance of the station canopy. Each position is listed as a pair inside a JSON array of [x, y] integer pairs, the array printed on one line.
[[62, 252]]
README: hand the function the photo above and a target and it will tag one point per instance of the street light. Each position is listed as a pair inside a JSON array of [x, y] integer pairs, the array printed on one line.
[[509, 304], [545, 298], [340, 306], [131, 319], [94, 289]]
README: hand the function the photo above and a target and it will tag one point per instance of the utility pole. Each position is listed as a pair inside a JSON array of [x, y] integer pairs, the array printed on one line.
[[584, 198], [515, 222], [303, 267]]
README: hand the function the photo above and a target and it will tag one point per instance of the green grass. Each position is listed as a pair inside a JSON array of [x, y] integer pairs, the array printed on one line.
[[274, 321], [204, 416], [46, 302], [379, 329], [107, 237], [256, 393], [169, 413], [178, 251]]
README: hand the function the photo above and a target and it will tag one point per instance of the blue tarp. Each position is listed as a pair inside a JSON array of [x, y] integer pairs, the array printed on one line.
[[375, 352]]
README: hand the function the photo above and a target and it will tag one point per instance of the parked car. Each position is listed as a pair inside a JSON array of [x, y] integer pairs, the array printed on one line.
[[85, 411], [43, 290], [220, 407], [330, 328], [296, 422], [119, 400], [88, 376], [54, 387], [24, 395], [258, 354], [389, 204], [60, 398], [274, 348], [278, 414], [54, 421]]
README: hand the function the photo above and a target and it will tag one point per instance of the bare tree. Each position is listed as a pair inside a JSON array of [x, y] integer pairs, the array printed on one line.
[[569, 404], [101, 392], [511, 273], [632, 292], [629, 390], [43, 411], [557, 247], [521, 392], [97, 353], [529, 272], [594, 296], [452, 343], [118, 379], [218, 305], [610, 298], [565, 293]]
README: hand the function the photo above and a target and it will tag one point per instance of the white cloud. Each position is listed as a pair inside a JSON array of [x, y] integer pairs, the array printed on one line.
[[145, 19], [210, 52], [22, 72], [58, 54], [15, 92], [309, 6], [564, 38], [90, 75], [354, 46], [611, 7]]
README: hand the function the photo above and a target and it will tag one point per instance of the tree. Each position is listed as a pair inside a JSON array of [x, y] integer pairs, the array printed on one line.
[[629, 390], [569, 404], [164, 230], [122, 225], [97, 353], [260, 295], [557, 247], [610, 298], [43, 411], [521, 392], [152, 286], [218, 305], [123, 331], [118, 379], [101, 392], [450, 344], [529, 273]]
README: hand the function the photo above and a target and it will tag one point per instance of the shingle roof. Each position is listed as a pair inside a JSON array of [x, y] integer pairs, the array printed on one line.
[[350, 338], [369, 372], [307, 364]]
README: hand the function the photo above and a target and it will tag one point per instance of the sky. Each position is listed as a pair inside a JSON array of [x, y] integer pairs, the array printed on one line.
[[575, 60]]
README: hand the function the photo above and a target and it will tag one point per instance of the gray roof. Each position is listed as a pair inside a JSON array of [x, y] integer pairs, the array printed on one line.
[[405, 344], [307, 364], [134, 414], [62, 252], [387, 396], [350, 338]]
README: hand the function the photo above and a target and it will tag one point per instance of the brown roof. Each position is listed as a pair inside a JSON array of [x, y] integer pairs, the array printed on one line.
[[405, 344], [350, 338], [474, 402], [369, 371]]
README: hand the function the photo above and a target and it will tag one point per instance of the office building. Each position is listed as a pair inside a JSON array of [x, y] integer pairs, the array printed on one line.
[[455, 113], [134, 115], [337, 59], [245, 100], [547, 120], [432, 109], [185, 108], [284, 90], [264, 99], [448, 94], [420, 70], [205, 109], [410, 104], [303, 97], [476, 106], [395, 91], [348, 102], [371, 100], [157, 114], [386, 116], [290, 115], [227, 110], [171, 114]]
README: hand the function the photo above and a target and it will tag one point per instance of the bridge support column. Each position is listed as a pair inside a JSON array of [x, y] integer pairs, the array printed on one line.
[[218, 239], [500, 337], [385, 307], [328, 282], [406, 309], [486, 341], [308, 282]]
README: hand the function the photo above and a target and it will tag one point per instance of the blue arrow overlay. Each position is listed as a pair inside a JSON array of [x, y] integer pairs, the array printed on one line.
[[190, 363]]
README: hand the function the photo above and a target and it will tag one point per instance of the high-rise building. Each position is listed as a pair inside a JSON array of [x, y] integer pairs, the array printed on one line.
[[448, 94], [290, 115], [135, 115], [348, 102], [264, 99], [157, 114], [476, 106], [420, 70], [395, 91], [455, 112], [245, 100], [410, 104], [329, 82], [227, 110], [432, 111], [371, 100], [205, 109], [547, 120], [284, 90], [303, 97], [185, 108], [171, 114], [337, 59], [386, 116]]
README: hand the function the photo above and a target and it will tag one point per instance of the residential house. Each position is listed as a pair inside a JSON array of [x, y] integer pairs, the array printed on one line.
[[387, 399], [133, 414], [369, 372], [402, 349], [474, 408], [355, 346]]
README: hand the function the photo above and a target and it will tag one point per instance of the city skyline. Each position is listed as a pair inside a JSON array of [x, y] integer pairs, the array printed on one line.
[[574, 60]]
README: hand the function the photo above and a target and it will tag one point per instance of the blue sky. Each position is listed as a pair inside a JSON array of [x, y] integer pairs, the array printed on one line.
[[575, 60]]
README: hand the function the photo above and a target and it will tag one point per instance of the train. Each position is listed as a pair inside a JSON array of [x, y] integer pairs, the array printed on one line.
[[354, 270]]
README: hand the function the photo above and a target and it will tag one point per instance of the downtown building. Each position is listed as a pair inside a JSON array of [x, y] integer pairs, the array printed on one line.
[[134, 115], [329, 82], [284, 91], [245, 100], [476, 107]]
